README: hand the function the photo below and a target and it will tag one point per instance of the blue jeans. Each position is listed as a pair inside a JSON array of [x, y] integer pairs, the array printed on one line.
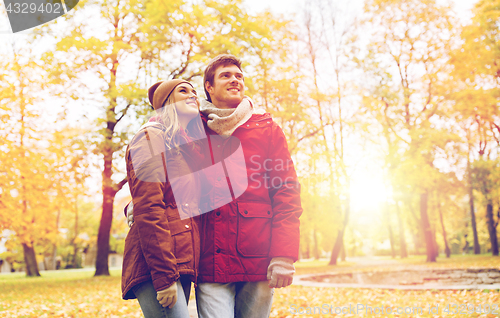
[[234, 300], [151, 308]]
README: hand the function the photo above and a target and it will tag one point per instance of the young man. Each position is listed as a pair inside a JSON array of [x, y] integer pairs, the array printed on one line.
[[249, 245]]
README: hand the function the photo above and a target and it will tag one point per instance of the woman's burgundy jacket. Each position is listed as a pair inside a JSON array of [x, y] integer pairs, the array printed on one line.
[[163, 242]]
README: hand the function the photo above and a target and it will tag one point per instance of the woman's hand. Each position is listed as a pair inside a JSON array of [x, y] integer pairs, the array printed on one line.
[[168, 297]]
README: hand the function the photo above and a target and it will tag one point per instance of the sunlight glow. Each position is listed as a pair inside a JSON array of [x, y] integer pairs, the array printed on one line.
[[368, 192]]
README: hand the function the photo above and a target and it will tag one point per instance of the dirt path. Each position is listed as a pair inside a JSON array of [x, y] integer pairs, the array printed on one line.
[[390, 274], [372, 261]]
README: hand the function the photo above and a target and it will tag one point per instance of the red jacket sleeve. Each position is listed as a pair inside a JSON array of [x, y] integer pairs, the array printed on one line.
[[285, 199]]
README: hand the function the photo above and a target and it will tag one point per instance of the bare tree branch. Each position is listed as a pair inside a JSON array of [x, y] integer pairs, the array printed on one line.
[[124, 112], [492, 124], [304, 137], [187, 53], [120, 184], [388, 122]]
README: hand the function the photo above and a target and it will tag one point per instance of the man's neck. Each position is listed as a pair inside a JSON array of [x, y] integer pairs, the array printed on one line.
[[223, 105]]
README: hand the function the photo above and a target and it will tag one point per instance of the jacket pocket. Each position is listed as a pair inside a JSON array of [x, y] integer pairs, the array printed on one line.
[[180, 230], [254, 229]]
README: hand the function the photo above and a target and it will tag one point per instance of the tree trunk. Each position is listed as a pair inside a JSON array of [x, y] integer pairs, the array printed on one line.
[[74, 258], [75, 246], [30, 260], [109, 189], [391, 239], [339, 242], [101, 265], [316, 248], [446, 247], [434, 231], [389, 230], [54, 250], [492, 228], [426, 228], [53, 263], [419, 236], [336, 248], [477, 248], [402, 242], [342, 252], [415, 238], [307, 253], [436, 246]]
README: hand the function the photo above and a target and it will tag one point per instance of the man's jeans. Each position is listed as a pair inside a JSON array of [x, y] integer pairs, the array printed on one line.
[[151, 308], [234, 300]]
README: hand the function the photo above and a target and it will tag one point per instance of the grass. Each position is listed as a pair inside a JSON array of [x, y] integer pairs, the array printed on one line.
[[55, 276], [76, 293], [64, 293]]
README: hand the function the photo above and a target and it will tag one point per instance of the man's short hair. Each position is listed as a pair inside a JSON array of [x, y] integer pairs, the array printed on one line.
[[219, 60]]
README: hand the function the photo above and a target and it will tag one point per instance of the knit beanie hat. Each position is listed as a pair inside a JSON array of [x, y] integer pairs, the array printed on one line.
[[158, 93]]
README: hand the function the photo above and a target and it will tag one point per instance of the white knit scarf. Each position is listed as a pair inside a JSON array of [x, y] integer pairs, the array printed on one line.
[[225, 121]]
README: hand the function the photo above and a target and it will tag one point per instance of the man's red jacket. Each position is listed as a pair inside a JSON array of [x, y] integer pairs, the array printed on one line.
[[239, 238]]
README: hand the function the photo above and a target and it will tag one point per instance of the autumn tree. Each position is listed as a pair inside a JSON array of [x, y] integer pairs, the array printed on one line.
[[476, 80], [403, 249], [486, 179], [25, 164], [325, 37], [70, 173], [407, 58], [478, 62]]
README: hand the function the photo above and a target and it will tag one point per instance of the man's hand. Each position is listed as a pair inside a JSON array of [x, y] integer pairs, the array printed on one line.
[[168, 297], [280, 272]]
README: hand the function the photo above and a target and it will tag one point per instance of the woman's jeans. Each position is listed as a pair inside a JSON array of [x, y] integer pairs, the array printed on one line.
[[151, 308], [234, 300]]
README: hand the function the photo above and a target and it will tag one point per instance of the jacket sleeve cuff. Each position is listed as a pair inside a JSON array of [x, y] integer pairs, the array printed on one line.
[[282, 266], [165, 282]]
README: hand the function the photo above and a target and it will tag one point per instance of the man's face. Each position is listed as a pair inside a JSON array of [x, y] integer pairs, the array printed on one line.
[[229, 88]]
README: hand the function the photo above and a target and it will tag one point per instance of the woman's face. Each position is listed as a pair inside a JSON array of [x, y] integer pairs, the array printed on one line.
[[186, 101]]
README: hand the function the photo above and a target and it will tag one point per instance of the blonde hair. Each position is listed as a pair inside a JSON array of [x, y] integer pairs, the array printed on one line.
[[170, 120]]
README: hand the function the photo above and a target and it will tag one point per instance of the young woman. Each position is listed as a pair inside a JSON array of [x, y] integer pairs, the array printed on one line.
[[162, 247]]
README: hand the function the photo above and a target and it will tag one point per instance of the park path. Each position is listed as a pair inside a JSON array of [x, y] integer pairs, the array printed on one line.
[[370, 261], [360, 263], [384, 263]]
